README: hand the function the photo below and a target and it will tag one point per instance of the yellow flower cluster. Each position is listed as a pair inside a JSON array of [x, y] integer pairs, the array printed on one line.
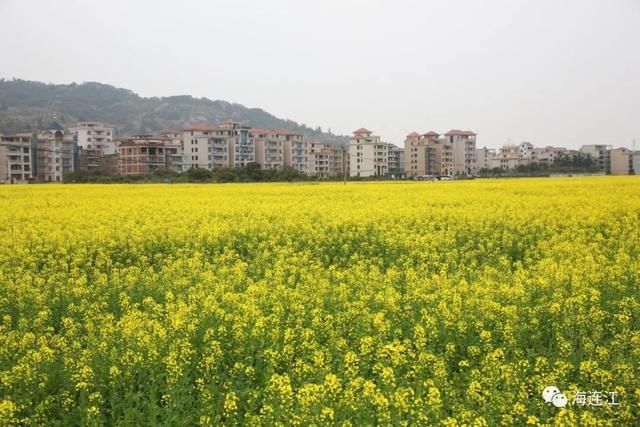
[[452, 303]]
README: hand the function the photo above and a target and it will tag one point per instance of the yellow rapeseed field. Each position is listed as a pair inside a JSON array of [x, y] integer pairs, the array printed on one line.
[[449, 303]]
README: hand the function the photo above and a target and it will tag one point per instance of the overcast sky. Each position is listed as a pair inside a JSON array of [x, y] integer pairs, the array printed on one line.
[[552, 72]]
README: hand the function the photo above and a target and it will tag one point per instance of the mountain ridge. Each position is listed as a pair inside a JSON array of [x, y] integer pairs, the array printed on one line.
[[28, 105]]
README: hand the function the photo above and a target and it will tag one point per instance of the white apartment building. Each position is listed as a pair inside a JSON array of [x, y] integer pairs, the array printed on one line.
[[15, 158], [601, 153], [525, 148], [54, 154], [546, 155], [36, 156], [509, 157], [464, 151], [485, 158], [198, 143], [369, 157], [94, 135]]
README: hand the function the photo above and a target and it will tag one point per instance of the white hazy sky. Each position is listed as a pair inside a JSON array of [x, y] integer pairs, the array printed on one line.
[[555, 72]]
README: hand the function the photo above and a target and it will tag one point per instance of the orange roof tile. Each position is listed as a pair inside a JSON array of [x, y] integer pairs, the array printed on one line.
[[200, 127], [286, 132]]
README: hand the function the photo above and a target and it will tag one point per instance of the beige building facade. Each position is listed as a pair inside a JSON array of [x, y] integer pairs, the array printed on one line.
[[368, 155], [621, 161]]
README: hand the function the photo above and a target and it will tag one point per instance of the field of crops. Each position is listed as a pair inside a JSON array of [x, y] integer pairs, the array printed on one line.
[[450, 303]]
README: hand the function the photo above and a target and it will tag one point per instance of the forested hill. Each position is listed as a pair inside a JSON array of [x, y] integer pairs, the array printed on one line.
[[27, 105]]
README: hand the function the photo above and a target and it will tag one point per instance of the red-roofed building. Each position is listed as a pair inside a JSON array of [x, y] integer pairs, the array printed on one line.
[[362, 131], [203, 127]]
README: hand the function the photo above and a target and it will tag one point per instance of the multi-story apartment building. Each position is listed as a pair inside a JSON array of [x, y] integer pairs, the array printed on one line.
[[36, 156], [440, 158], [546, 155], [94, 135], [95, 146], [485, 158], [396, 162], [144, 154], [53, 154], [621, 161], [243, 150], [16, 157], [414, 149], [174, 145], [319, 159], [525, 148], [369, 156], [339, 161], [635, 162], [600, 153], [464, 151], [510, 157], [431, 154], [296, 153], [203, 146], [269, 148], [326, 160]]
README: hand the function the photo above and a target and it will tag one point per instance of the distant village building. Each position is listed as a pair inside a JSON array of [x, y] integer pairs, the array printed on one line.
[[432, 154], [396, 162], [369, 156], [485, 158], [51, 154], [601, 154], [621, 161], [145, 154], [42, 156]]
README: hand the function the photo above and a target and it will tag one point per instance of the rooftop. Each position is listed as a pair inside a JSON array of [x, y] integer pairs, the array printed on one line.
[[457, 132], [362, 131], [203, 127]]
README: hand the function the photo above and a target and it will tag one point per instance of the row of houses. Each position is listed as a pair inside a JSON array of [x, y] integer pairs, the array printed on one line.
[[429, 154], [92, 146], [614, 161]]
